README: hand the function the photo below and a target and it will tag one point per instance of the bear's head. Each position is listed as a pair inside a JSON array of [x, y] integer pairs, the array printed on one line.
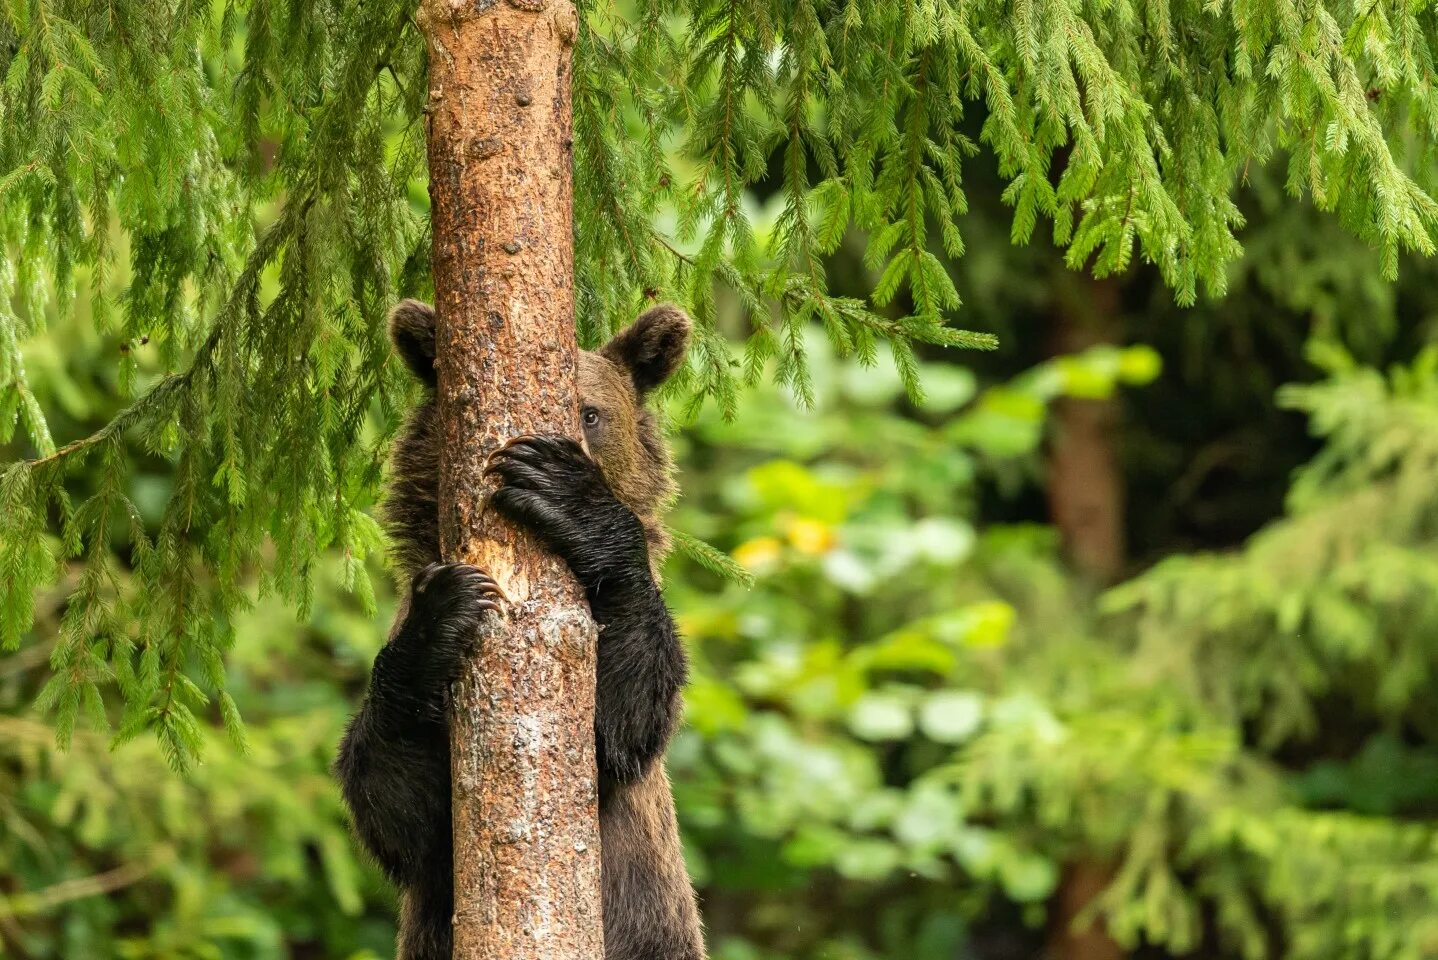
[[614, 383]]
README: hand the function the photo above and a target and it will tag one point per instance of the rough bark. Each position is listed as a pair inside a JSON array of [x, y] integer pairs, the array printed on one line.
[[1086, 503], [526, 834]]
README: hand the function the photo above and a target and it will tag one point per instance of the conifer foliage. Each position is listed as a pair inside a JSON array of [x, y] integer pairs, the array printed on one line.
[[235, 192]]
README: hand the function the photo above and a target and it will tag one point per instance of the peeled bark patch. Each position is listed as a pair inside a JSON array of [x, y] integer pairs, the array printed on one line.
[[526, 834]]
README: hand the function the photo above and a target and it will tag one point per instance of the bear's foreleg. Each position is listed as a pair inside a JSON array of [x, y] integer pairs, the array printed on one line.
[[551, 487], [393, 765]]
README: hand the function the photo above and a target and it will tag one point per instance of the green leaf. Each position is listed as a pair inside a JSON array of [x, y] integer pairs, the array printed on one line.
[[879, 716], [951, 716], [710, 559]]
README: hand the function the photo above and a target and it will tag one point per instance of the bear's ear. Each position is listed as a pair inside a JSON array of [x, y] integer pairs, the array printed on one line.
[[652, 347], [411, 327]]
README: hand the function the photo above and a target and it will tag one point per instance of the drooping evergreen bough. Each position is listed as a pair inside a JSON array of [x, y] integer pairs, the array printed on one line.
[[181, 128]]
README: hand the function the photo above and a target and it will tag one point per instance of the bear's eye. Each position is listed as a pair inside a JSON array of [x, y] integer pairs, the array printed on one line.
[[591, 417]]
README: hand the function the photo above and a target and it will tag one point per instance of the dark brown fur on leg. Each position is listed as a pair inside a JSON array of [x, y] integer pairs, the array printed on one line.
[[649, 911]]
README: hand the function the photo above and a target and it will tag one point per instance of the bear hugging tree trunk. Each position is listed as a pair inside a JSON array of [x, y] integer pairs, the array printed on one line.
[[601, 512]]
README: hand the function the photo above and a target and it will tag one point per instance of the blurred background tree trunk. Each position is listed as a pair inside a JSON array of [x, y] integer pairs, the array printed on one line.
[[1086, 502]]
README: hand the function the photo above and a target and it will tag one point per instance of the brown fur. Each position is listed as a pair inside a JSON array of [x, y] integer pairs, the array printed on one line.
[[649, 908]]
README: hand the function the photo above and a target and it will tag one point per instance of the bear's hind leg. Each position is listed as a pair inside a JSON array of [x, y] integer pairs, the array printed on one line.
[[426, 919]]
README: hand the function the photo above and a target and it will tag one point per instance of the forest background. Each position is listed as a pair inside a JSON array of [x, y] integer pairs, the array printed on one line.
[[1132, 620]]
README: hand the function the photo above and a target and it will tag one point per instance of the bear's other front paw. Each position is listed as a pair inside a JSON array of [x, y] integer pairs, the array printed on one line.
[[551, 487], [447, 603], [455, 591], [415, 671]]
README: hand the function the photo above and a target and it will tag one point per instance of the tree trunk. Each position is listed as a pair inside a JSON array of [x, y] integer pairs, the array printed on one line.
[[1086, 502], [1081, 883], [1085, 487], [526, 832]]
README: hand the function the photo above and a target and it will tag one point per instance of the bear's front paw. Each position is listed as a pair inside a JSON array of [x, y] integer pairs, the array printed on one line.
[[416, 669], [448, 601], [551, 487], [455, 591]]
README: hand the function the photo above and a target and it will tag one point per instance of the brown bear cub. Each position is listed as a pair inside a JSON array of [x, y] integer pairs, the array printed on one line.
[[602, 515]]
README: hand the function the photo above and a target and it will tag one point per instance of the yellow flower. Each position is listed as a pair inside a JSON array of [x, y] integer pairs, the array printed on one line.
[[810, 537], [759, 555]]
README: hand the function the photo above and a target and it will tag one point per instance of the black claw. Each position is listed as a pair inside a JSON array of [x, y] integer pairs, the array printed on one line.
[[504, 449], [489, 588], [461, 577], [449, 603], [537, 452]]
